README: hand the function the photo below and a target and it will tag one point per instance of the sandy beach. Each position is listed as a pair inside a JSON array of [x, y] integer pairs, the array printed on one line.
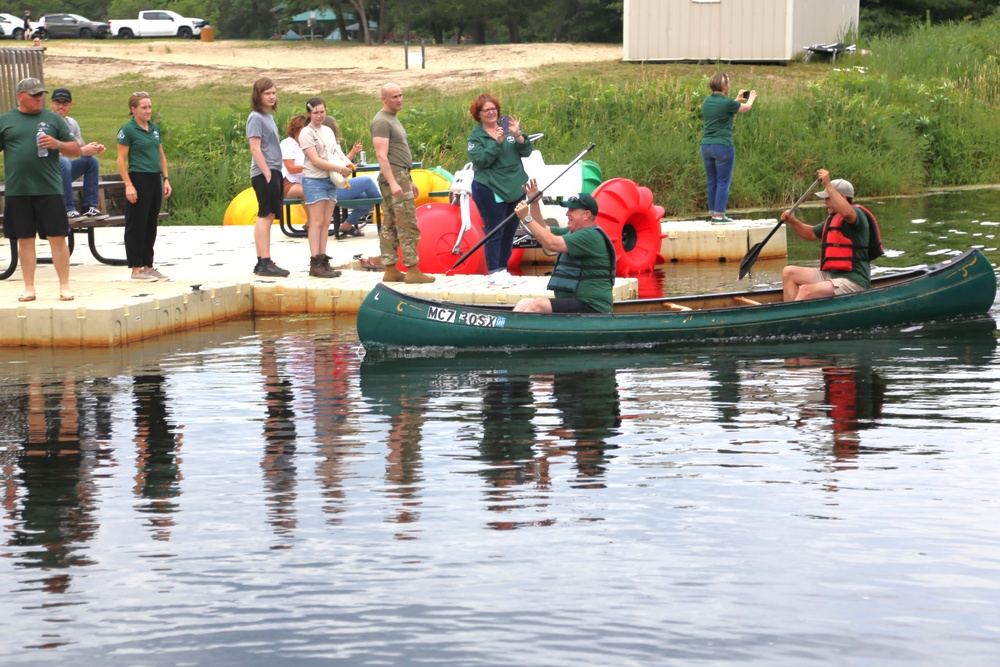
[[307, 67]]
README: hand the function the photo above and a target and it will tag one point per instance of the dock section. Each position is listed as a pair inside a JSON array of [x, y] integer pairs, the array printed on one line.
[[701, 241], [212, 281]]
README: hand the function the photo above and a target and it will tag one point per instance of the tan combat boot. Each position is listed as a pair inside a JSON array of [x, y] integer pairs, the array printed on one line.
[[415, 275], [393, 275]]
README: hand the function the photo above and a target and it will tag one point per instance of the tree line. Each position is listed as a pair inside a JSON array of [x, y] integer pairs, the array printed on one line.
[[466, 21]]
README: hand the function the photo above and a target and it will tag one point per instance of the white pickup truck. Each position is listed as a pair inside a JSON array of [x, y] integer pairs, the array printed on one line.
[[157, 23]]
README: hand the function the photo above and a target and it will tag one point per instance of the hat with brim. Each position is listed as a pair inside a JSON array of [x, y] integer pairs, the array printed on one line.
[[61, 95], [844, 188], [582, 200], [31, 85]]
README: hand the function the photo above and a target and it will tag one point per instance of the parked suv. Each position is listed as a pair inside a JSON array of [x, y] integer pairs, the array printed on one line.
[[74, 26], [11, 27]]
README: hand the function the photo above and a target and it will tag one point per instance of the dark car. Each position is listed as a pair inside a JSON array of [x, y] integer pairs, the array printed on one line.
[[74, 26]]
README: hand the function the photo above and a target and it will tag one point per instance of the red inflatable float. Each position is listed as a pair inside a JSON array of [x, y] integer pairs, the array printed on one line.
[[629, 216], [439, 224]]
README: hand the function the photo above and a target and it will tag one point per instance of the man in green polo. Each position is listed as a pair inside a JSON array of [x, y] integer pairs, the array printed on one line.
[[32, 138]]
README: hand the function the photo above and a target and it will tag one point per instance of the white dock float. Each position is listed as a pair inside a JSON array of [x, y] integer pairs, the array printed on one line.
[[701, 241]]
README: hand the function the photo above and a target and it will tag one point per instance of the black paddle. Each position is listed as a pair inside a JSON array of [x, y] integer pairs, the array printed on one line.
[[510, 217], [750, 258]]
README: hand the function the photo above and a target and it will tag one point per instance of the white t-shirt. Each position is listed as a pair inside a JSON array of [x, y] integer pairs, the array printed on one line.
[[290, 150]]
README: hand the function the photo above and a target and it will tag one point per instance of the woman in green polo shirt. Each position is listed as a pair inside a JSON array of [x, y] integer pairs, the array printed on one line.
[[717, 150], [496, 146], [143, 167]]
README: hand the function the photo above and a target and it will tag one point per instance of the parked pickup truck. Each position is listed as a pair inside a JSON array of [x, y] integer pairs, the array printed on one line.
[[157, 23]]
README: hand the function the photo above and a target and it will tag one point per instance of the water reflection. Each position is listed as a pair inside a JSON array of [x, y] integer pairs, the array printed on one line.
[[280, 437], [52, 498], [158, 441], [311, 500], [853, 394], [402, 398]]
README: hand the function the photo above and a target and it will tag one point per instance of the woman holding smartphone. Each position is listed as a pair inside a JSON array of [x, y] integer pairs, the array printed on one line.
[[496, 146], [717, 149]]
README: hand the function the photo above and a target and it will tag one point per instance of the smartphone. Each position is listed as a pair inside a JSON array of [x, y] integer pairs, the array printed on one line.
[[744, 95], [505, 124]]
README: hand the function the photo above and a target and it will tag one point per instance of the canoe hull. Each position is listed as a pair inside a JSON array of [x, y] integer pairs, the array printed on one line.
[[962, 287]]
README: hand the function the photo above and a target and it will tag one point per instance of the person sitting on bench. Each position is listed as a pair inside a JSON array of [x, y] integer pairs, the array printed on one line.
[[86, 165]]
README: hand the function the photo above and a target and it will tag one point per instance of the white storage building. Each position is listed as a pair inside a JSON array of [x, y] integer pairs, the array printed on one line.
[[733, 30]]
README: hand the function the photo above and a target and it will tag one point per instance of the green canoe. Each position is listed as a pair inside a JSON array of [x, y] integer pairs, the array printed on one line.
[[962, 287]]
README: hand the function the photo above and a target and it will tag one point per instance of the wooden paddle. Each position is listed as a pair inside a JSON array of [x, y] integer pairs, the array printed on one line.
[[482, 241], [750, 258]]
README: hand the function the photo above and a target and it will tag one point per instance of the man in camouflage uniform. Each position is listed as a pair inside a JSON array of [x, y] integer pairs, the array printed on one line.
[[399, 213]]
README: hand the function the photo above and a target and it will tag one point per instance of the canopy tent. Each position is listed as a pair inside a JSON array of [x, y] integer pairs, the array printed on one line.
[[353, 31], [320, 15]]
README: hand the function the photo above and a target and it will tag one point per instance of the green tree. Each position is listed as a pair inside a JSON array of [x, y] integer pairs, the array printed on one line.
[[896, 16]]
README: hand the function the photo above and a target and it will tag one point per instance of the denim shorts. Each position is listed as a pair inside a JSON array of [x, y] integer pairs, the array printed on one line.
[[317, 189]]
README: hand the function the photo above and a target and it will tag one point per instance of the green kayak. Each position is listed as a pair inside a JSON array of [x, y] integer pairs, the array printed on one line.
[[961, 287]]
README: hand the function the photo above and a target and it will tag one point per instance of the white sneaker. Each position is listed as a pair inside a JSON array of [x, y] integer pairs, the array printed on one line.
[[498, 279], [94, 214], [142, 275], [156, 275]]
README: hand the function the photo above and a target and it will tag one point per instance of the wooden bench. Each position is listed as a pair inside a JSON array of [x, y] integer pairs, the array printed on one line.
[[81, 226]]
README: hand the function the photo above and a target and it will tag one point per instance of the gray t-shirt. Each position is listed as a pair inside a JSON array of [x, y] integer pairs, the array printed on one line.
[[74, 128], [262, 125]]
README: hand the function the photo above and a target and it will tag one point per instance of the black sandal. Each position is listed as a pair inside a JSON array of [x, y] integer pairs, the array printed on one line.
[[353, 231]]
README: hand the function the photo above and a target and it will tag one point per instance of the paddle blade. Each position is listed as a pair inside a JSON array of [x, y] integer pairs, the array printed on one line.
[[750, 259]]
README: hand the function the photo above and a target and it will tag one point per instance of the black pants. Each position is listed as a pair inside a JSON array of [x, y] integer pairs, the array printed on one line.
[[141, 218]]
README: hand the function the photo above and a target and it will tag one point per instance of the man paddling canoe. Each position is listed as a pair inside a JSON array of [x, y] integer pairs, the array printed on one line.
[[844, 257], [584, 274]]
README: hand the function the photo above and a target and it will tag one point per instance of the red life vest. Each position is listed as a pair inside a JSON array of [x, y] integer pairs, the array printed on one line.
[[837, 249]]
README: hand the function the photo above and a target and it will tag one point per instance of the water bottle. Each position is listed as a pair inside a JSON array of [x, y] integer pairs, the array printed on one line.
[[42, 151]]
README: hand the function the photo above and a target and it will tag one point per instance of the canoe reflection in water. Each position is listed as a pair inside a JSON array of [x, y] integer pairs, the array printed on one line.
[[534, 415]]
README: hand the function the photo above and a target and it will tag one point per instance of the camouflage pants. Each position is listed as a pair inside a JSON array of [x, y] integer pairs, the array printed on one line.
[[399, 221]]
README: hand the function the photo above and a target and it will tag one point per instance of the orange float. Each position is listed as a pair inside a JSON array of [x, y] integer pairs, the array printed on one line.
[[439, 226], [626, 212]]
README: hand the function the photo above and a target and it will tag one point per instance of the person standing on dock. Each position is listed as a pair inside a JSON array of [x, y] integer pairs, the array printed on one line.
[[844, 259], [496, 146], [265, 172], [583, 278], [717, 149], [399, 222], [142, 165], [32, 138], [86, 165]]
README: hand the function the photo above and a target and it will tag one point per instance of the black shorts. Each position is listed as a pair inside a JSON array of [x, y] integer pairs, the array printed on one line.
[[570, 305], [27, 216], [269, 195]]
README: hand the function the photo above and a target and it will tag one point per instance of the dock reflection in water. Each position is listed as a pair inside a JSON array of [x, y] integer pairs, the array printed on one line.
[[257, 490]]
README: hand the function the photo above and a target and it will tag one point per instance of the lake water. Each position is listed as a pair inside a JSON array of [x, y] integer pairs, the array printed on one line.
[[257, 493]]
